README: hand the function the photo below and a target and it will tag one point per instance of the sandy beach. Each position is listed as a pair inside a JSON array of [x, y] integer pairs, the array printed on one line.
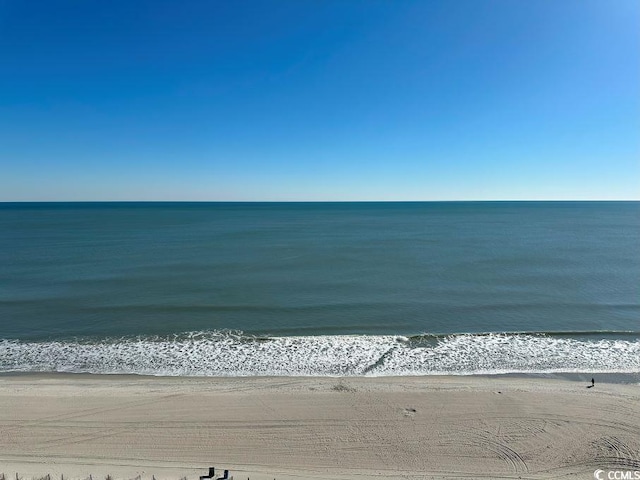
[[315, 428]]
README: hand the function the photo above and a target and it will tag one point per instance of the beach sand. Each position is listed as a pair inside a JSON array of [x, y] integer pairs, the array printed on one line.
[[315, 428]]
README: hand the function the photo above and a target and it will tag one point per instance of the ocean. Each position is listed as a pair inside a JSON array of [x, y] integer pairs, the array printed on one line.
[[235, 289]]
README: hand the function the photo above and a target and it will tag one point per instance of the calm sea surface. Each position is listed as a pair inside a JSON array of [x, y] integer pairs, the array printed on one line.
[[320, 288]]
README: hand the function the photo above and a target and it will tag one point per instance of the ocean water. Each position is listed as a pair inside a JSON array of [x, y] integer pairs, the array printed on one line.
[[320, 288]]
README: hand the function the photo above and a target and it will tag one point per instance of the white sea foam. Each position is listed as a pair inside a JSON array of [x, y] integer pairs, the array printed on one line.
[[233, 354]]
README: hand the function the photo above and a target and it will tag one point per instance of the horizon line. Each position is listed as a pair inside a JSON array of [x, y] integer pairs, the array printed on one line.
[[323, 201]]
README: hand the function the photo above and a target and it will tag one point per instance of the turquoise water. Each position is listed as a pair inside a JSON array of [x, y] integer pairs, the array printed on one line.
[[320, 288]]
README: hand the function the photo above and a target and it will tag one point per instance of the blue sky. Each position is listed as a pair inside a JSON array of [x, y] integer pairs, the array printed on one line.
[[319, 100]]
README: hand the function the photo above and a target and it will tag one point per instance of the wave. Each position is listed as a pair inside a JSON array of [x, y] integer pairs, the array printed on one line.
[[231, 353], [630, 334]]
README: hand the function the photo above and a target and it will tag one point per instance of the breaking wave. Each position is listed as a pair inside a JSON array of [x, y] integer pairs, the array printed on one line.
[[225, 353]]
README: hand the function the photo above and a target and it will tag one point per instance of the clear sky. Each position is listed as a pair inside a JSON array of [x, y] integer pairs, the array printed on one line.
[[319, 100]]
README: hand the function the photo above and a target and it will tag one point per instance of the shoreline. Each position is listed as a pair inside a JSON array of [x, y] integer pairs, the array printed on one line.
[[305, 428], [623, 378]]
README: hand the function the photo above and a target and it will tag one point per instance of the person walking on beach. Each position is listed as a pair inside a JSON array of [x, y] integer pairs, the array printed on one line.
[[593, 382]]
